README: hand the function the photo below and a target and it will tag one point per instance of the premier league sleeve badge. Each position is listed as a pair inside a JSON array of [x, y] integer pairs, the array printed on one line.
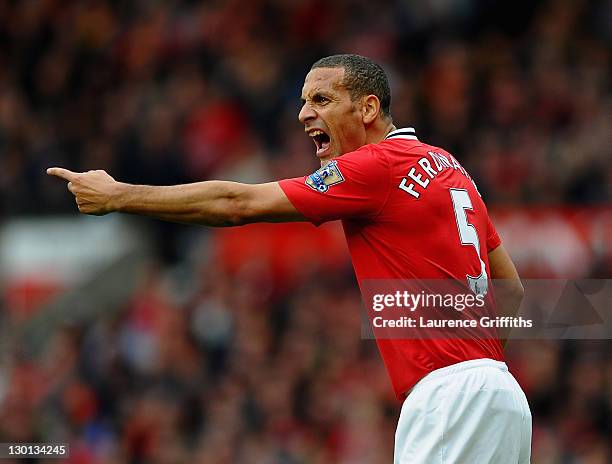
[[322, 179]]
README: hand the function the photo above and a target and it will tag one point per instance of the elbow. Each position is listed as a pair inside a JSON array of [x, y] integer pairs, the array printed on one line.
[[229, 221], [516, 294], [238, 212], [232, 217], [241, 205], [509, 293], [519, 290]]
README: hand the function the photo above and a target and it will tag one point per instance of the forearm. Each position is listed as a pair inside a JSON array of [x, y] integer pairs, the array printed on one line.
[[212, 203], [507, 286], [508, 297]]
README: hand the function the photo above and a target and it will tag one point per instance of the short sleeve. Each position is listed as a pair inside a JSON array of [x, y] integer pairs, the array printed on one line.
[[493, 240], [354, 185]]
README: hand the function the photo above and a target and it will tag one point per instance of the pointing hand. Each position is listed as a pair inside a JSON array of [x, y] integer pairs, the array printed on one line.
[[95, 192]]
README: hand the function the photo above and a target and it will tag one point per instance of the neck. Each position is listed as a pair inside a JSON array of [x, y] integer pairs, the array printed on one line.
[[379, 130]]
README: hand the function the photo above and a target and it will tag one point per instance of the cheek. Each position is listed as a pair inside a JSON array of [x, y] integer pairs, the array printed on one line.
[[353, 132], [347, 129]]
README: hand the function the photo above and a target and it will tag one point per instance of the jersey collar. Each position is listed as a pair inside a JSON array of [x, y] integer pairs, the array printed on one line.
[[403, 133]]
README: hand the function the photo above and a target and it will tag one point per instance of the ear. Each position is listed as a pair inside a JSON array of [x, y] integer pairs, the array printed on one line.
[[370, 109]]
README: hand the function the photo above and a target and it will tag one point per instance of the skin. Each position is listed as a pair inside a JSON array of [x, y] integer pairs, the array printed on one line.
[[509, 291], [327, 106]]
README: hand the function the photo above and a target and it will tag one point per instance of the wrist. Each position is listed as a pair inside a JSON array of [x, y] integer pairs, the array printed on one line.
[[117, 200]]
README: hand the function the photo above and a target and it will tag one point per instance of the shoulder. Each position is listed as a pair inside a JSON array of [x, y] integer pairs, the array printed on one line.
[[367, 162], [369, 151], [370, 155]]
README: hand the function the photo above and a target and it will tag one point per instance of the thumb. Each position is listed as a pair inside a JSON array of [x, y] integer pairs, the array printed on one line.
[[62, 173]]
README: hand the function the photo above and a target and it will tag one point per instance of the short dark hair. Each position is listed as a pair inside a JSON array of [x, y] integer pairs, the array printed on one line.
[[361, 77]]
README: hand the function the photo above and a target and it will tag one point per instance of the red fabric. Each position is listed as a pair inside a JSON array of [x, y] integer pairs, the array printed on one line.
[[391, 234]]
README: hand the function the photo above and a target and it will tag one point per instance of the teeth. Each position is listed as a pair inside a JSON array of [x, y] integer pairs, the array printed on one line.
[[316, 132]]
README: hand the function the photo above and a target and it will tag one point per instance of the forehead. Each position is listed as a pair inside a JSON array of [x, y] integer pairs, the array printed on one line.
[[323, 79]]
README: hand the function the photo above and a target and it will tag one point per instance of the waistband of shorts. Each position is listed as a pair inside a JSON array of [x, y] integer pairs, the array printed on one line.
[[464, 366]]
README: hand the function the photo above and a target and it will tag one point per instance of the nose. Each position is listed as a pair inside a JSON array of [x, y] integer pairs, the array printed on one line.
[[306, 113]]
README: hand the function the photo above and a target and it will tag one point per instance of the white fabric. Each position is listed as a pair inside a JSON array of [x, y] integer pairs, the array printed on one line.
[[470, 412]]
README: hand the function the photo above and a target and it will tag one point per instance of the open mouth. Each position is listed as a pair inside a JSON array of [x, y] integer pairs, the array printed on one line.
[[321, 141]]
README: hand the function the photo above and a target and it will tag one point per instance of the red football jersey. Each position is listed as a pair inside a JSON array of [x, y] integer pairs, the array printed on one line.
[[409, 211]]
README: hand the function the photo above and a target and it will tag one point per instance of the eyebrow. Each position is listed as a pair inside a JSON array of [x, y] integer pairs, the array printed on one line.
[[317, 93]]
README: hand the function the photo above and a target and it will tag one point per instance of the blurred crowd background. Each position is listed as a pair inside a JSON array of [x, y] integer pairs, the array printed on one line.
[[244, 346]]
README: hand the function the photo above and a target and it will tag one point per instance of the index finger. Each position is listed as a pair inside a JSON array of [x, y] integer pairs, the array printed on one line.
[[62, 173]]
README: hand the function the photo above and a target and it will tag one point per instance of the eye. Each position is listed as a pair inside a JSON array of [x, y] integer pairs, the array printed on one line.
[[320, 99]]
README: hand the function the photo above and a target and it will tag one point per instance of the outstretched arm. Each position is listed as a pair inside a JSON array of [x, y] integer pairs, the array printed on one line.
[[212, 203]]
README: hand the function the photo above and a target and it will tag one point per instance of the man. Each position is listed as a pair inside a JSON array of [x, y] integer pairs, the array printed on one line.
[[409, 211]]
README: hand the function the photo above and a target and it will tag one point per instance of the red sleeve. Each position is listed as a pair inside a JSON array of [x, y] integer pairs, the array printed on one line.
[[353, 185], [493, 240]]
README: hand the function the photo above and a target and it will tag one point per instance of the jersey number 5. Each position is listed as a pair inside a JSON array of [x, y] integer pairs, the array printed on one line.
[[468, 236]]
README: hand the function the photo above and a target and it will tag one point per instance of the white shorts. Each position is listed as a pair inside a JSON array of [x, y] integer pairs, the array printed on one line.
[[473, 412]]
